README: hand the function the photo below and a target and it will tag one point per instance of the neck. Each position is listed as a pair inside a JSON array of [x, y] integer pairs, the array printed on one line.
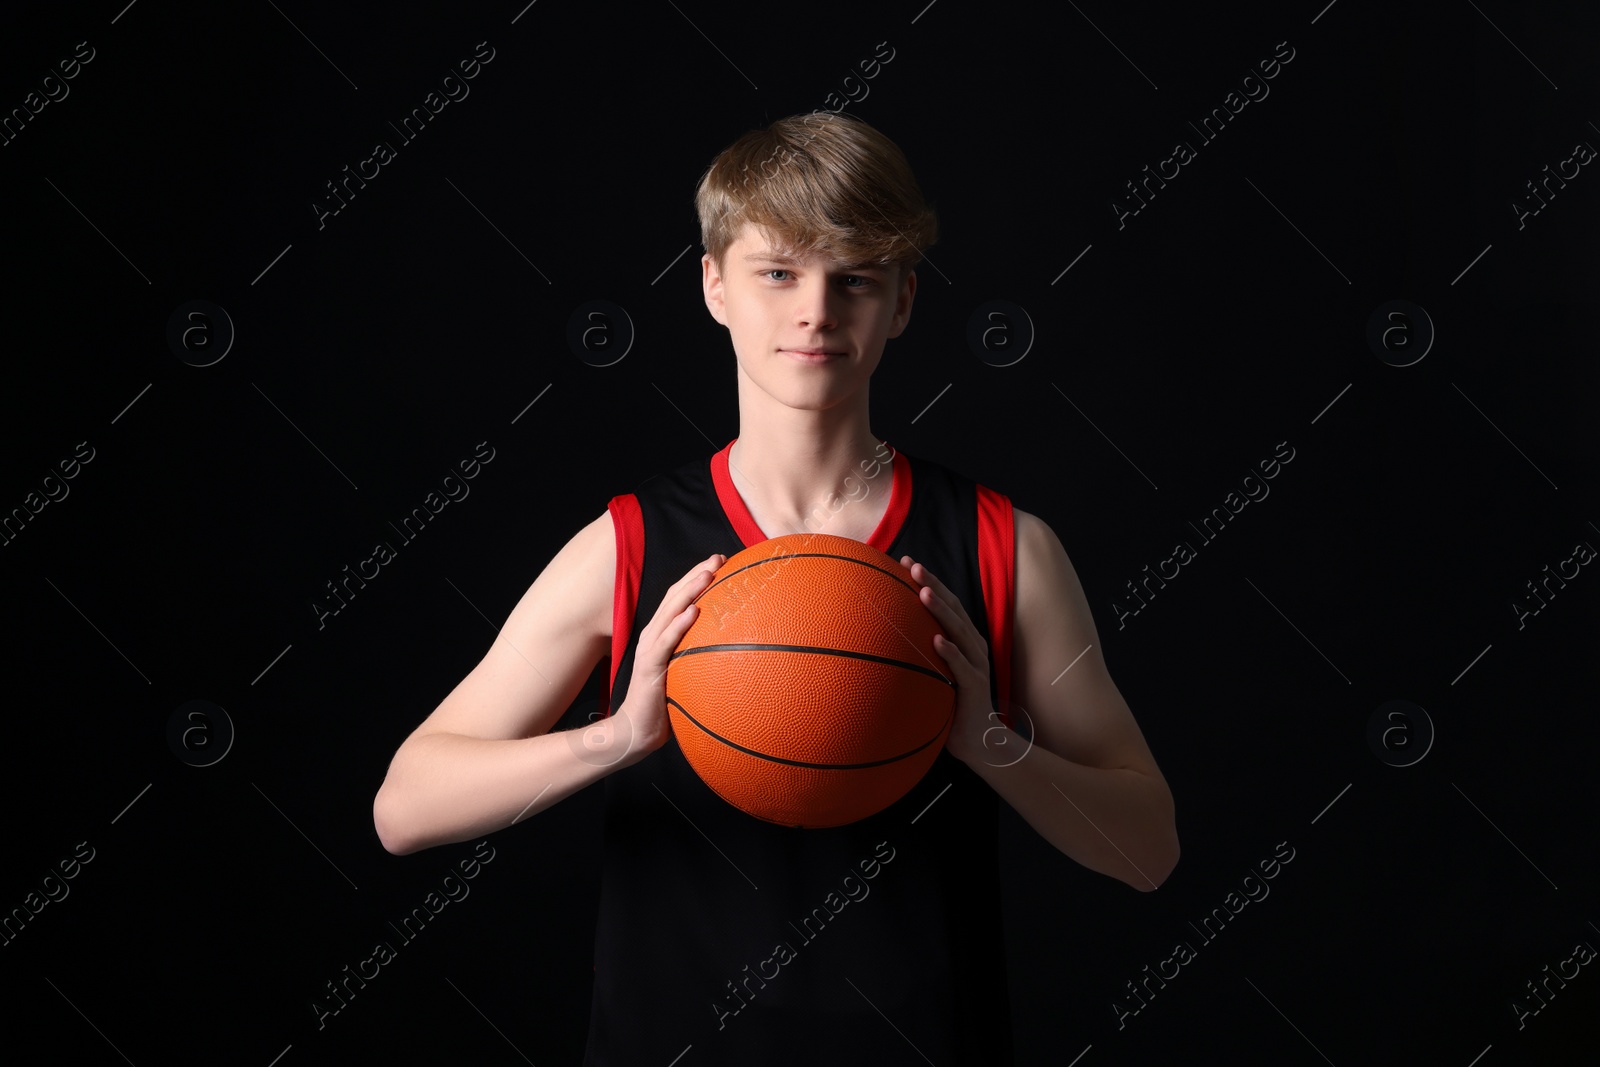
[[802, 471]]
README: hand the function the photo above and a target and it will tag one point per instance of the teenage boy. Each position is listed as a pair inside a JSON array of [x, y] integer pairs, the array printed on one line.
[[722, 938]]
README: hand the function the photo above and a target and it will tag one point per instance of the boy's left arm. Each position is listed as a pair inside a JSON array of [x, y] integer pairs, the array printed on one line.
[[1088, 782]]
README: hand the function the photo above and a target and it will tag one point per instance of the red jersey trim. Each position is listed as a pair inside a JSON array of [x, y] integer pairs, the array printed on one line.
[[750, 534], [997, 570], [628, 522]]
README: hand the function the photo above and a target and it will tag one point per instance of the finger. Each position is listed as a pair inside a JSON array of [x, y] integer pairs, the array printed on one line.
[[949, 612], [708, 565], [692, 583], [951, 652], [959, 632], [696, 582], [672, 631], [912, 565], [928, 578], [713, 561], [944, 597], [940, 609], [682, 593], [925, 577], [961, 663]]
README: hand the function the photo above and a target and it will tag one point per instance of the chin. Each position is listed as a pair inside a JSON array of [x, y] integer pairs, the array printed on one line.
[[806, 399]]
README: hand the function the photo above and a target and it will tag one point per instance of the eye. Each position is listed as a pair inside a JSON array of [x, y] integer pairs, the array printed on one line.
[[775, 270], [865, 282]]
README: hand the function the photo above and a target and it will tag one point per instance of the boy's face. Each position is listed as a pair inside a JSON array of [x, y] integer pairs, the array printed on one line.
[[775, 307]]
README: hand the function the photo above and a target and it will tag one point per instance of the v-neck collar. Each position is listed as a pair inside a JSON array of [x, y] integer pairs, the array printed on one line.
[[744, 524]]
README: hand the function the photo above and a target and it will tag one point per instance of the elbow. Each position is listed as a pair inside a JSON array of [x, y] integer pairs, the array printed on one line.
[[1164, 856], [391, 832], [1160, 868]]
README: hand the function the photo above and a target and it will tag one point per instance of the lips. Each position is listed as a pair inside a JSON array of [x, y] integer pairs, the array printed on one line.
[[812, 355]]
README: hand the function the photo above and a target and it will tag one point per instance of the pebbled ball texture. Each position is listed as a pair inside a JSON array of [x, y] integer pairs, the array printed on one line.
[[807, 692]]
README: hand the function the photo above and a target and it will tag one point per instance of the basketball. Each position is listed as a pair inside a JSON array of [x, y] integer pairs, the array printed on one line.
[[807, 691]]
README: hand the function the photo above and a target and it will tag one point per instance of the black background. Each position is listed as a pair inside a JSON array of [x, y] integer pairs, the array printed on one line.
[[375, 352]]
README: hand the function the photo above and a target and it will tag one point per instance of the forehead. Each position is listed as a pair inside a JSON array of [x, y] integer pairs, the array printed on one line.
[[754, 245]]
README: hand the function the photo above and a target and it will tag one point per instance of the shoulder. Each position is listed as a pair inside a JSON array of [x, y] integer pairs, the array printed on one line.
[[586, 571], [1034, 535], [1047, 583]]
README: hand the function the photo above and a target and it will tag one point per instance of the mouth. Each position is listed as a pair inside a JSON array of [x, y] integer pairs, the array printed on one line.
[[812, 355]]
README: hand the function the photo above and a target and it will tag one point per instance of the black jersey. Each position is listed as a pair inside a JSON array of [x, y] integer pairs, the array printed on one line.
[[724, 939]]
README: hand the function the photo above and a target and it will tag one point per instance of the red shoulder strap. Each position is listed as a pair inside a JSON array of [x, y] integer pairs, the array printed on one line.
[[997, 569], [628, 523]]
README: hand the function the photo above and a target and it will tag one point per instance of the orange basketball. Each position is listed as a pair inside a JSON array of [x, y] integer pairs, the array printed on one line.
[[807, 692]]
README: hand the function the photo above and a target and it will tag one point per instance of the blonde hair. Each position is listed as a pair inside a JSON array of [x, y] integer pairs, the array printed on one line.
[[820, 184]]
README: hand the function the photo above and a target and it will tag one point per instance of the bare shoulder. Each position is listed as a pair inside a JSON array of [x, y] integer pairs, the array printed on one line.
[[1059, 671], [547, 648], [1053, 624], [592, 563], [1045, 576], [1027, 523], [575, 589]]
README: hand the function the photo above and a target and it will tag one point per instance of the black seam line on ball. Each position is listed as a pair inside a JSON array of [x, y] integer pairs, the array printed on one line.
[[813, 555], [809, 648], [802, 763]]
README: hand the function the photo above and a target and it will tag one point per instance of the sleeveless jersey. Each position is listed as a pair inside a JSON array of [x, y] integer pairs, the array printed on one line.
[[722, 938]]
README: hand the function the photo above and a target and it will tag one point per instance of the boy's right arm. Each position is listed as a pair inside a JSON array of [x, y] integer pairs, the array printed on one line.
[[484, 758]]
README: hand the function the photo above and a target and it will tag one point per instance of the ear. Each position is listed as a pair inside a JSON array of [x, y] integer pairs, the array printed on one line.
[[711, 284], [902, 304]]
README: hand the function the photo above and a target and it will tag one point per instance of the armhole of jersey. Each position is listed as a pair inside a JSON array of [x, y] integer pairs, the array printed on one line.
[[997, 571], [628, 524]]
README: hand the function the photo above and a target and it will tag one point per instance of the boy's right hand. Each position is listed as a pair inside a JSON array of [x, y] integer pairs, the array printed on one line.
[[644, 723]]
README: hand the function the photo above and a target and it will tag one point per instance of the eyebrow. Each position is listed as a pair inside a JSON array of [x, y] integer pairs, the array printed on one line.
[[778, 257]]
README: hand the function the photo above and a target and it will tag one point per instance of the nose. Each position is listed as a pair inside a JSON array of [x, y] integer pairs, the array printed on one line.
[[814, 305]]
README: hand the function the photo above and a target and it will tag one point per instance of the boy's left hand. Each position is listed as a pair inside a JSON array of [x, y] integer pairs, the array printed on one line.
[[967, 654]]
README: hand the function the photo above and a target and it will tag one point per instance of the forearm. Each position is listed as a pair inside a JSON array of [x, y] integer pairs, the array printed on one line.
[[444, 787], [1115, 821]]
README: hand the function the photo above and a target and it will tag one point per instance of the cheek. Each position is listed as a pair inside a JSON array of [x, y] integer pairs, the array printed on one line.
[[749, 314], [880, 320], [752, 340]]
